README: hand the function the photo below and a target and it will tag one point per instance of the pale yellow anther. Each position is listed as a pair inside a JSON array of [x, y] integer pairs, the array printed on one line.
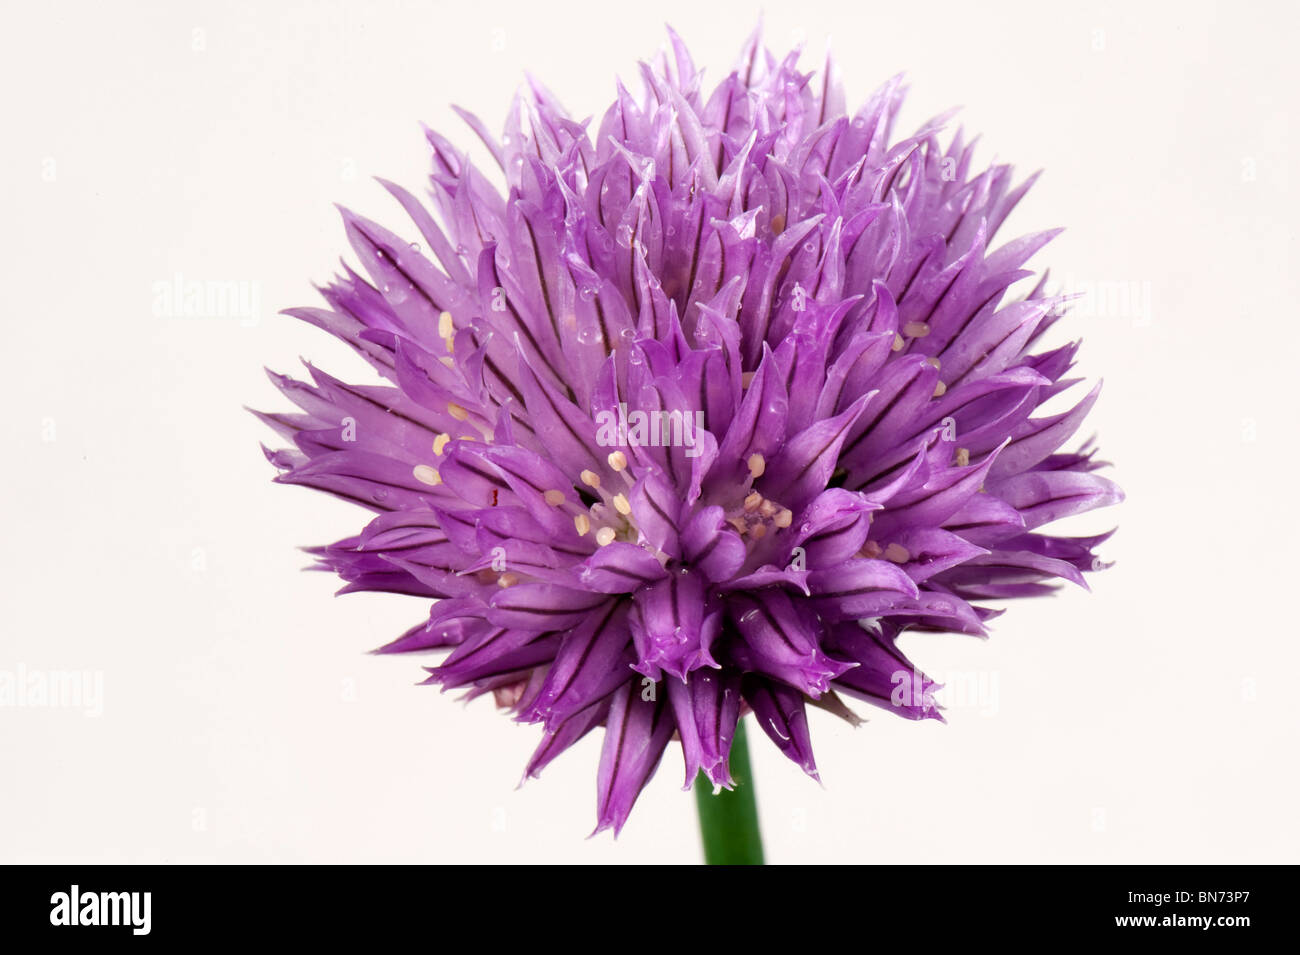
[[767, 509], [916, 329], [590, 478], [617, 460], [897, 553], [738, 523], [456, 411], [448, 361], [933, 362], [507, 580], [752, 500], [758, 531], [778, 224], [783, 517], [554, 498], [871, 549], [426, 475], [940, 389], [582, 524], [440, 442], [445, 328], [898, 342], [605, 536], [746, 378], [756, 465], [963, 457], [621, 505]]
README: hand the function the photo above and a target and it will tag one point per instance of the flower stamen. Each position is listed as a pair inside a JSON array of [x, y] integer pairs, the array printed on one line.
[[426, 475], [897, 554]]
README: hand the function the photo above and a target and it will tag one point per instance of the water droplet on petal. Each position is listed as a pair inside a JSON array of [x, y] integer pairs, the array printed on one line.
[[415, 247]]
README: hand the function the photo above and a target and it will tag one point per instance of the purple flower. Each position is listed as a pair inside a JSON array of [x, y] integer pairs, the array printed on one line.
[[717, 397]]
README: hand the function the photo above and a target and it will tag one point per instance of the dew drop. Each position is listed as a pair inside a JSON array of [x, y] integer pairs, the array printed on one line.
[[415, 247], [809, 247]]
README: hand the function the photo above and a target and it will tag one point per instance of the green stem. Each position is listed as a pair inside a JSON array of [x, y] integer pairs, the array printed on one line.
[[729, 820]]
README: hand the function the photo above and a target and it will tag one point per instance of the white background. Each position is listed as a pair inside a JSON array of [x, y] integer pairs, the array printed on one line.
[[1153, 720]]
